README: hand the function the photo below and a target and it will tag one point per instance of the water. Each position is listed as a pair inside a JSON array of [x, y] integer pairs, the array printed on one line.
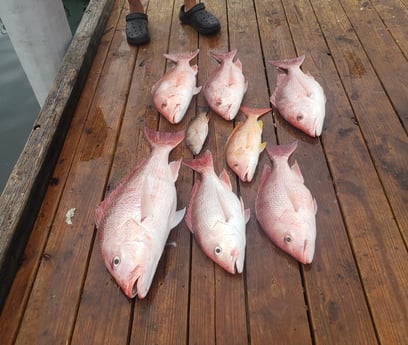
[[18, 105]]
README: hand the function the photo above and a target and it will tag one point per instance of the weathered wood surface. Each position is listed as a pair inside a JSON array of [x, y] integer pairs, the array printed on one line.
[[19, 201], [356, 289]]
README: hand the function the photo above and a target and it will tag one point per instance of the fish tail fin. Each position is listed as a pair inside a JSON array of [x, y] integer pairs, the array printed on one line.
[[182, 56], [288, 63], [219, 57], [258, 112], [284, 150], [157, 138], [203, 163]]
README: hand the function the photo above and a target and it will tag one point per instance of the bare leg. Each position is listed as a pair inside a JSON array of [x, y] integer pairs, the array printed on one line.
[[188, 4], [135, 6]]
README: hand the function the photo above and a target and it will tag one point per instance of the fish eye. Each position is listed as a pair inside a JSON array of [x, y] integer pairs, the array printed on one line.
[[218, 250], [116, 261], [288, 238], [299, 117]]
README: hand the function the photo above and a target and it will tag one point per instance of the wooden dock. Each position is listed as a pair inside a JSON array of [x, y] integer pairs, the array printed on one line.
[[356, 289]]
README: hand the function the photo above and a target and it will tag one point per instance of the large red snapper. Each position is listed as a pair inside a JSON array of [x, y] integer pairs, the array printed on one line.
[[216, 216], [298, 97], [172, 94], [226, 85], [135, 219], [244, 145], [284, 207]]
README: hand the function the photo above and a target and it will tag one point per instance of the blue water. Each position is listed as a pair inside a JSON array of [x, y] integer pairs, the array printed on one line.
[[18, 108], [18, 105]]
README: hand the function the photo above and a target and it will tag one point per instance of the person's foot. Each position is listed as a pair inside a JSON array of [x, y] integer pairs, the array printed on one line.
[[200, 19], [137, 32]]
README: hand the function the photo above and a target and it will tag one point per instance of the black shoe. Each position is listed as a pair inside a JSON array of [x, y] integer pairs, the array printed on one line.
[[136, 29], [200, 19]]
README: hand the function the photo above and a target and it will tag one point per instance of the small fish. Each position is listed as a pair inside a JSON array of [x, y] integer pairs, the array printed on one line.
[[284, 207], [135, 219], [197, 132], [172, 94], [244, 145], [216, 216], [226, 86], [299, 98]]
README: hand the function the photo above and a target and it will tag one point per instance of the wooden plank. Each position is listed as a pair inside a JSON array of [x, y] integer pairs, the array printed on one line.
[[385, 56], [386, 138], [107, 322], [333, 273], [365, 209], [161, 318], [19, 200], [276, 307], [13, 309], [204, 292], [394, 14], [50, 316]]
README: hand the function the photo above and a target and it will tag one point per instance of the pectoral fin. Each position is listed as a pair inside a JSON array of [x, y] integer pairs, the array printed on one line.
[[177, 218]]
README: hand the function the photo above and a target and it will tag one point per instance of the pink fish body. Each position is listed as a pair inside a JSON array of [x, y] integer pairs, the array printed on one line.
[[226, 86], [299, 98], [284, 207], [244, 145], [135, 219], [216, 216], [172, 94]]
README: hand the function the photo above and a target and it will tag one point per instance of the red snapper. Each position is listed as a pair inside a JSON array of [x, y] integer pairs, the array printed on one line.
[[299, 98], [284, 207], [226, 86], [135, 219], [172, 94], [216, 216]]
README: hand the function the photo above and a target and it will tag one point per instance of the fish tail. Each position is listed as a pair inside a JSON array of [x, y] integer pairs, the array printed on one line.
[[171, 139], [219, 57], [284, 150], [182, 56], [288, 63], [258, 112], [202, 163]]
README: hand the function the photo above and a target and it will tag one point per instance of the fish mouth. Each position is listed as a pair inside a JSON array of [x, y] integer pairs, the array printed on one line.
[[308, 253], [174, 113], [247, 175], [237, 263], [317, 128], [133, 288]]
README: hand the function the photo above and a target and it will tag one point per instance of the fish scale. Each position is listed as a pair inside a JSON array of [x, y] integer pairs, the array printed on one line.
[[135, 219], [284, 206]]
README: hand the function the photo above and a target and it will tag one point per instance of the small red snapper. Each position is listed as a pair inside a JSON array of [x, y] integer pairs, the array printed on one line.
[[172, 94], [299, 98], [284, 207], [216, 216], [135, 219], [226, 85], [244, 145], [197, 132]]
